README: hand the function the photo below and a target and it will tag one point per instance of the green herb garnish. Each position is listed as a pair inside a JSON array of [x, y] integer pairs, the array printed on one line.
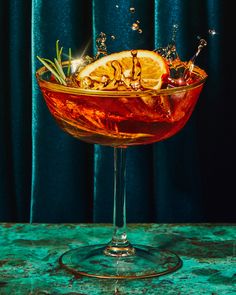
[[56, 67], [69, 65]]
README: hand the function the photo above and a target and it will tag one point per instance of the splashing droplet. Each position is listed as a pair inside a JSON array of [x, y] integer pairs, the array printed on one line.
[[202, 44], [132, 9], [212, 32], [191, 63], [101, 44], [135, 26], [170, 52], [134, 52], [174, 32]]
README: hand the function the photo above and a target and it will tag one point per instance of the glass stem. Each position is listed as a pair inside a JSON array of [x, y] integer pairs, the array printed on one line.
[[119, 245], [119, 207]]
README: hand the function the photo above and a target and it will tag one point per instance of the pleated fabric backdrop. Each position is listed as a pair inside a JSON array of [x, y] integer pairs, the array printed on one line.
[[48, 176]]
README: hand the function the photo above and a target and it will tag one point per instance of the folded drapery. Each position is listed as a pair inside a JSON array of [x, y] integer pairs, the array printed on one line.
[[48, 176]]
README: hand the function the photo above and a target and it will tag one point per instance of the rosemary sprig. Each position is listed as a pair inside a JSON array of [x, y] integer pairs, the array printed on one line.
[[56, 67], [69, 65], [58, 52], [59, 68], [53, 71]]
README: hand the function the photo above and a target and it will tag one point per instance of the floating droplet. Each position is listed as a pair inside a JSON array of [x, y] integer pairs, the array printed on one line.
[[132, 9], [175, 26], [135, 26], [174, 32], [212, 32]]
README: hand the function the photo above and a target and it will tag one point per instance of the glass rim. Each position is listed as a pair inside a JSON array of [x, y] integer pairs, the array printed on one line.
[[56, 87]]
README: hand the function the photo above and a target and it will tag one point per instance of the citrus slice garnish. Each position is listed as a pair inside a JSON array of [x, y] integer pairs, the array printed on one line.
[[125, 70]]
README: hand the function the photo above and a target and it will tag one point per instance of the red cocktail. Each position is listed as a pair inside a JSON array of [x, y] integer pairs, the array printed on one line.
[[121, 118]]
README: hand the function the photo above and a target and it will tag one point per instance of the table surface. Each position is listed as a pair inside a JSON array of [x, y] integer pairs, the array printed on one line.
[[29, 259]]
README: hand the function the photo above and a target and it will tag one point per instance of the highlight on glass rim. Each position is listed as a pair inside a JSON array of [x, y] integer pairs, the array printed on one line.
[[122, 99]]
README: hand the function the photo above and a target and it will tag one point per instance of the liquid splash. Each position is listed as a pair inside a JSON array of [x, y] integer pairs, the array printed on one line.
[[136, 72], [170, 52], [174, 33], [101, 45], [136, 27], [191, 63], [181, 73]]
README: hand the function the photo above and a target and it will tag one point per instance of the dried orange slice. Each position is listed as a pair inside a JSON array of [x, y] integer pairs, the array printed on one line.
[[125, 70]]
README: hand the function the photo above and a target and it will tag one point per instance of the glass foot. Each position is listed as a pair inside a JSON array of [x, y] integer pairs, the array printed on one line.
[[146, 262]]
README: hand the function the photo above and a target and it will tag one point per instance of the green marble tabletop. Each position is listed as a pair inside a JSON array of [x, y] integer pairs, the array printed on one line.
[[29, 259]]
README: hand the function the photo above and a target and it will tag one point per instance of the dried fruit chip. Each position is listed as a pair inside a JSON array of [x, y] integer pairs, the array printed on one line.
[[126, 70]]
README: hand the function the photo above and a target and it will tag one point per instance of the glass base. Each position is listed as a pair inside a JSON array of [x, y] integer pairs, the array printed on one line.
[[146, 262]]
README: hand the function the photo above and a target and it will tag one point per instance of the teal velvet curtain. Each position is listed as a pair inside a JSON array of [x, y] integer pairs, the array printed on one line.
[[48, 176]]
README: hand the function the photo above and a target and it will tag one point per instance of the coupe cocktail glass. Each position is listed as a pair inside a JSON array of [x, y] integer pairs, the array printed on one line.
[[120, 119]]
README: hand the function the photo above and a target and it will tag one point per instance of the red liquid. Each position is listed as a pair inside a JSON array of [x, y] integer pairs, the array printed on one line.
[[122, 121]]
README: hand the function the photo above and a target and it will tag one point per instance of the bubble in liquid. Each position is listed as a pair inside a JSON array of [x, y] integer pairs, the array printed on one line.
[[117, 6], [113, 37], [132, 9], [140, 31], [212, 32]]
